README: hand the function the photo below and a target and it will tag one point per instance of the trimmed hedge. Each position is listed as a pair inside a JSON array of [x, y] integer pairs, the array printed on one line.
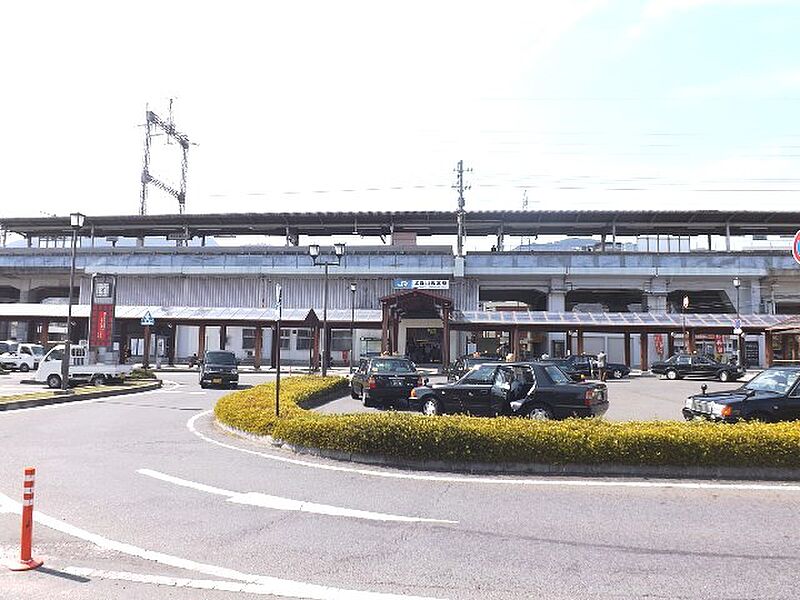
[[253, 410], [507, 440]]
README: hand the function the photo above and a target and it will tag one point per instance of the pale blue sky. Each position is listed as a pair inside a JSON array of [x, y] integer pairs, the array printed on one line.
[[590, 104]]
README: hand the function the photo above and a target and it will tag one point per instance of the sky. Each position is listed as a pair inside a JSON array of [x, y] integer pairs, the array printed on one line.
[[328, 106]]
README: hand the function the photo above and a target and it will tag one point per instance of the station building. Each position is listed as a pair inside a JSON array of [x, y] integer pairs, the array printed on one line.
[[637, 284]]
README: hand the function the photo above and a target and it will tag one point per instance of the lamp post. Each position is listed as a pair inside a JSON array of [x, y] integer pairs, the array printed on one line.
[[76, 221], [352, 321], [737, 330], [684, 306], [335, 260]]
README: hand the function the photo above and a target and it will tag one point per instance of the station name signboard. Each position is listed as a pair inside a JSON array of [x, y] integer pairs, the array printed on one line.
[[421, 284], [101, 323]]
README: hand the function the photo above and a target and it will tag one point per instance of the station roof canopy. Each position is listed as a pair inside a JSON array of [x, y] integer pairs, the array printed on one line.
[[609, 322], [478, 223]]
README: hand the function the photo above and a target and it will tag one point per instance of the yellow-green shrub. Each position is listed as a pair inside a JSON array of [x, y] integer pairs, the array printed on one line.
[[253, 410], [506, 440]]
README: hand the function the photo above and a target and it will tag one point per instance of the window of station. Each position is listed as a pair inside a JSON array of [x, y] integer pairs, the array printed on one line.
[[340, 339], [304, 339]]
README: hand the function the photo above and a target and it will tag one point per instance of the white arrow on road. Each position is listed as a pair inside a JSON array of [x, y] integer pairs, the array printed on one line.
[[278, 503]]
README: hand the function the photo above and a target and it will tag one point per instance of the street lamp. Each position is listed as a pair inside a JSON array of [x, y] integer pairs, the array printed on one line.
[[737, 330], [684, 305], [335, 260], [352, 321], [76, 221]]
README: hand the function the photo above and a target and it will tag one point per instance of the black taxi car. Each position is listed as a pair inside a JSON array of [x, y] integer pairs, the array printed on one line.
[[219, 367], [584, 366], [678, 366], [536, 390], [382, 380], [772, 395]]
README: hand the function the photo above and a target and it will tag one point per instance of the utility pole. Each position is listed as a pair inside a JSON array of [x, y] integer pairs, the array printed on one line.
[[459, 171]]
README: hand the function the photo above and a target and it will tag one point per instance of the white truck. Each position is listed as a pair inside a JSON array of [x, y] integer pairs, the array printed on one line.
[[81, 368], [20, 356]]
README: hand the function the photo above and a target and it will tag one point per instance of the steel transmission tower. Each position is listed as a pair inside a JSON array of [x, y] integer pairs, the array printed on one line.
[[154, 122]]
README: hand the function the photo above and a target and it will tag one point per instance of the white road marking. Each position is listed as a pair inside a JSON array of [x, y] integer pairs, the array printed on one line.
[[278, 503], [542, 482], [266, 584]]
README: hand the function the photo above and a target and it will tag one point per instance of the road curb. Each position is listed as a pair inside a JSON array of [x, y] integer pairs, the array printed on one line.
[[56, 399], [483, 468]]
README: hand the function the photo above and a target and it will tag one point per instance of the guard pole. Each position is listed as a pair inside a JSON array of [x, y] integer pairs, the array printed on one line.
[[26, 561]]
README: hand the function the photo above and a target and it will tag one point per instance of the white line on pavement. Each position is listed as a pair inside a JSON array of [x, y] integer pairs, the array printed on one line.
[[278, 503], [270, 585], [550, 482]]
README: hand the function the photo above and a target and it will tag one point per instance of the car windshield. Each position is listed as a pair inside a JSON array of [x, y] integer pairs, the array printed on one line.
[[392, 366], [556, 375], [778, 381], [481, 375], [220, 358]]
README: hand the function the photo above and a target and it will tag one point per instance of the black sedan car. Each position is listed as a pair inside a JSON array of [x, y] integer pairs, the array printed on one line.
[[383, 380], [584, 366], [219, 367], [534, 390], [773, 395], [695, 365]]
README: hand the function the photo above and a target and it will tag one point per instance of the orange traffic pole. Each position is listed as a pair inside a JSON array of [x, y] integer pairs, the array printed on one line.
[[26, 561]]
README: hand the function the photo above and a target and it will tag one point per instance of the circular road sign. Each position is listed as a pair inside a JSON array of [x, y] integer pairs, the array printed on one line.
[[796, 247]]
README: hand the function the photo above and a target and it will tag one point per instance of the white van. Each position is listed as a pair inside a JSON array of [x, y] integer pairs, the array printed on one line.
[[81, 369], [20, 355]]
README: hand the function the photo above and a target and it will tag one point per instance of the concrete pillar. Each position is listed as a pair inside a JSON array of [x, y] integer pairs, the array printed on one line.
[[754, 304]]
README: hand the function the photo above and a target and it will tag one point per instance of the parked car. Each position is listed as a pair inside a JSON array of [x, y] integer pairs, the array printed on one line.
[[219, 367], [463, 364], [535, 390], [81, 369], [772, 395], [695, 365], [584, 366], [20, 356], [382, 380]]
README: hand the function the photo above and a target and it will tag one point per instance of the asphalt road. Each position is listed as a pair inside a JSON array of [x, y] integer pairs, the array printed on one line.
[[115, 523], [630, 399]]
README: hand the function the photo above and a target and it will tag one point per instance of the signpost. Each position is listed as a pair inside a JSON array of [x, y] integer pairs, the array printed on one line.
[[148, 320], [279, 307]]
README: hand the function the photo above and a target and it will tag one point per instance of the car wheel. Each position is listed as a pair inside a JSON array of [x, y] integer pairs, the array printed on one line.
[[54, 381], [353, 393], [540, 413], [97, 379], [723, 376], [430, 407], [24, 367], [203, 384], [617, 374], [672, 374]]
